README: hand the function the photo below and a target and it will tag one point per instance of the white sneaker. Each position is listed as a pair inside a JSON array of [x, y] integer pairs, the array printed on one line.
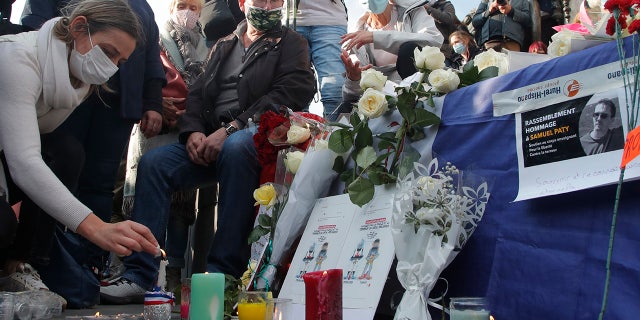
[[26, 278], [122, 291]]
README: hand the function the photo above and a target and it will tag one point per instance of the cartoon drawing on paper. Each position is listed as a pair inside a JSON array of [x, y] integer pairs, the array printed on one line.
[[322, 256], [371, 256], [307, 258], [355, 258]]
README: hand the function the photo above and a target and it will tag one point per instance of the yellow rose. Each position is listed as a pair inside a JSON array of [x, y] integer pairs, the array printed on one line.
[[265, 195], [444, 80], [372, 79], [429, 58], [298, 134], [372, 104], [293, 160]]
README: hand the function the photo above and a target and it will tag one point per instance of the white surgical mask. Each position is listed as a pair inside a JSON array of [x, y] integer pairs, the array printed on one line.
[[185, 18], [93, 67], [459, 48]]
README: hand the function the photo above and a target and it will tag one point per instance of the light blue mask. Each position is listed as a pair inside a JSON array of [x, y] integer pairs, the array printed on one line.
[[459, 48], [375, 6]]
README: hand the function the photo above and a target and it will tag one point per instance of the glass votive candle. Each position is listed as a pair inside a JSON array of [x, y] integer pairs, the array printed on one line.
[[252, 305], [7, 301], [468, 308], [185, 298], [277, 309]]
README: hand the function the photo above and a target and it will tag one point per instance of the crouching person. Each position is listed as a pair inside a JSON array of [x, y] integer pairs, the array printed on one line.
[[261, 66]]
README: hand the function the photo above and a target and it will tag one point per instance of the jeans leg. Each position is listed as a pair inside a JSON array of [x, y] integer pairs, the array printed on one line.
[[324, 44], [161, 172], [238, 175], [176, 241]]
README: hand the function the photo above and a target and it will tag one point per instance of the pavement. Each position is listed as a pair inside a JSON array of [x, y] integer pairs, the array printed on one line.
[[113, 310]]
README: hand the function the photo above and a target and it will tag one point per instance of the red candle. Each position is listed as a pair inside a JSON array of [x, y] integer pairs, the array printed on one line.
[[323, 294]]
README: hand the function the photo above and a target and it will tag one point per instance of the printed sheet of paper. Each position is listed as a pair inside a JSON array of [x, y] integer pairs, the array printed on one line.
[[341, 235], [557, 151]]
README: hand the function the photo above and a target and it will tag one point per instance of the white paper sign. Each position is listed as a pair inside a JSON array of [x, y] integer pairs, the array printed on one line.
[[341, 235]]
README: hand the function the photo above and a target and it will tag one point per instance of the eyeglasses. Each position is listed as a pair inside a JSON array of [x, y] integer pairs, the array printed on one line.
[[263, 3], [601, 115]]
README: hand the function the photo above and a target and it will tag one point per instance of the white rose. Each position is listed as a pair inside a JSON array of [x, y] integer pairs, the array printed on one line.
[[372, 104], [444, 80], [492, 58], [298, 134], [429, 184], [321, 144], [371, 78], [561, 43], [429, 58], [293, 160], [427, 214]]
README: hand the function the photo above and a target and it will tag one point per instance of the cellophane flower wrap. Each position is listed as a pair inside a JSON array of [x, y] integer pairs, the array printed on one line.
[[301, 174], [434, 215]]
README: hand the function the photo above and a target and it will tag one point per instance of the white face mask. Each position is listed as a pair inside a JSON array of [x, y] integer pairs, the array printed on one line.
[[93, 67], [185, 18]]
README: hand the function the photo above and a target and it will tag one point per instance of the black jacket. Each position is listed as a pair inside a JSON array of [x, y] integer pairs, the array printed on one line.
[[277, 72]]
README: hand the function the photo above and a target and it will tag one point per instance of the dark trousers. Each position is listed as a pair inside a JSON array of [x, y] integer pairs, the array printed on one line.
[[406, 65], [32, 239]]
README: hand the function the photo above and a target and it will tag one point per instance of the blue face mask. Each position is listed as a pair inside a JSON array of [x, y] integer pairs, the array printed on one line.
[[459, 48], [375, 6]]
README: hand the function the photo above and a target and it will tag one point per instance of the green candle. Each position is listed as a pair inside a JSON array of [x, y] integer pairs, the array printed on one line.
[[207, 296]]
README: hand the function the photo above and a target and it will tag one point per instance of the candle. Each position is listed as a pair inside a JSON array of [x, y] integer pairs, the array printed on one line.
[[323, 295], [469, 315], [207, 296], [252, 310]]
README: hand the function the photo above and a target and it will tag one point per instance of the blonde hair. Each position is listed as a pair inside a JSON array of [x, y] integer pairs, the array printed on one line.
[[172, 4], [101, 15]]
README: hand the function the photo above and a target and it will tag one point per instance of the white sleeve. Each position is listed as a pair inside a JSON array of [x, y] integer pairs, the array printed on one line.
[[418, 27], [20, 89]]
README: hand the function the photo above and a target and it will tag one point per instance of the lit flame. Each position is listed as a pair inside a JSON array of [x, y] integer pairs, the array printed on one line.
[[163, 254], [324, 273], [97, 314], [492, 318]]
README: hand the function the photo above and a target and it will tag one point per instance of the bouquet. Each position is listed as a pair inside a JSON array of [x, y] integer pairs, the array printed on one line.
[[299, 174], [381, 158], [434, 216]]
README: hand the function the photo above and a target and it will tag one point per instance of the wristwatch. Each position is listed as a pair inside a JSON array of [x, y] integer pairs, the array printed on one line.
[[230, 129]]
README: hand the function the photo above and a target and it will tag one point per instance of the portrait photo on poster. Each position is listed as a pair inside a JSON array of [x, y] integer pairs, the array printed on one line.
[[601, 125]]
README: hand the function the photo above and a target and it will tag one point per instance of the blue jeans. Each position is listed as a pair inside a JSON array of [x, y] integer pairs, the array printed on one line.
[[324, 48], [167, 169]]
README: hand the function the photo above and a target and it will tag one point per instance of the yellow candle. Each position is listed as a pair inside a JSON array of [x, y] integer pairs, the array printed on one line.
[[252, 310]]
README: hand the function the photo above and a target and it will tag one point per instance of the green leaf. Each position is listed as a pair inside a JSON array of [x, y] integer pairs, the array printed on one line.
[[364, 137], [416, 134], [257, 233], [347, 176], [407, 111], [264, 220], [338, 164], [341, 140], [425, 118], [469, 76], [409, 156], [361, 191], [366, 157], [354, 119], [488, 72], [376, 175], [384, 145], [388, 136]]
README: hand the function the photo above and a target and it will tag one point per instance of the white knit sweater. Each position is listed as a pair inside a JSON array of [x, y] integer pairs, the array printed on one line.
[[23, 117]]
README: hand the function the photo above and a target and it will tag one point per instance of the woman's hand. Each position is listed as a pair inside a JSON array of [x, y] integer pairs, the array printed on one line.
[[353, 69], [122, 238], [171, 113], [357, 39], [151, 123]]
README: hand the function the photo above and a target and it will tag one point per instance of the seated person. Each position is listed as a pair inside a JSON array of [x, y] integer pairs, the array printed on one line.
[[464, 48], [502, 24], [387, 35], [261, 66], [57, 66]]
